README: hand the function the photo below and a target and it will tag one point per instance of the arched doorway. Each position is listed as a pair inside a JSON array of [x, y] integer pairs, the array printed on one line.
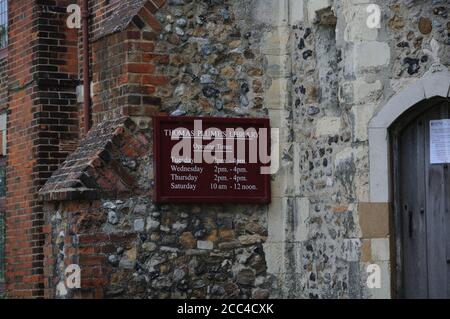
[[421, 186], [399, 117]]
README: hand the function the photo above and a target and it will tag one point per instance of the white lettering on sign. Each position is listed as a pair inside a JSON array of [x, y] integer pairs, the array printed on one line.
[[440, 141]]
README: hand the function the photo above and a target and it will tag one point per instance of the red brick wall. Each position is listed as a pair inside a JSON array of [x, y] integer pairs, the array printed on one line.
[[100, 9], [44, 122], [3, 83], [101, 56], [128, 72], [124, 74], [77, 231], [89, 251], [3, 107], [42, 130]]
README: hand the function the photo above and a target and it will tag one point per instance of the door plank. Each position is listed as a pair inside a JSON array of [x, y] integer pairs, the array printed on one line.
[[446, 113], [435, 213], [413, 227], [422, 193]]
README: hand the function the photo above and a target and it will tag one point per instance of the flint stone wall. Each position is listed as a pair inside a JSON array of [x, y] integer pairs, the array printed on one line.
[[319, 73]]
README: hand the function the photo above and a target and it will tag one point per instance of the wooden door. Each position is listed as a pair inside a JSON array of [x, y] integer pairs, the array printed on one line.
[[422, 205]]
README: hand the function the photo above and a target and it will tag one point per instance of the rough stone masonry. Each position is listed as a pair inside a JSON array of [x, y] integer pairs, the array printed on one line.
[[314, 67]]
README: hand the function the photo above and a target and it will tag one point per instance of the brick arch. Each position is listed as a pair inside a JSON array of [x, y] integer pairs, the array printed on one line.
[[146, 13], [126, 13]]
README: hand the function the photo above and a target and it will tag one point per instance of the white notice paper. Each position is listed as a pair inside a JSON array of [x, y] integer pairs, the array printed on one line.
[[440, 141]]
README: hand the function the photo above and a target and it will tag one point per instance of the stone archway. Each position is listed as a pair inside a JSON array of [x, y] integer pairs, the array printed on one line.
[[433, 84]]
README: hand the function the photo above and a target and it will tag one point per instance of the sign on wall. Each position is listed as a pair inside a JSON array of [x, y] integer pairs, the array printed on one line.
[[440, 141], [211, 160]]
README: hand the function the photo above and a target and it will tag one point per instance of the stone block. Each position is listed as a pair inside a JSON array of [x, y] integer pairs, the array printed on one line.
[[278, 66], [301, 216], [274, 13], [356, 28], [437, 85], [205, 245], [276, 220], [362, 175], [397, 85], [364, 92], [380, 249], [274, 253], [276, 41], [328, 126], [379, 165], [374, 219], [276, 96], [280, 119], [315, 6], [139, 225], [296, 169], [282, 183], [369, 55], [296, 11], [366, 250], [398, 104], [362, 115], [346, 155]]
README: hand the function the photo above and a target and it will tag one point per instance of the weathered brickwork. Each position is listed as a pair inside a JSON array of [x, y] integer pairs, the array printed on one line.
[[125, 78], [313, 67], [42, 130], [123, 59], [3, 83], [130, 247], [311, 71], [137, 248], [2, 254], [3, 109]]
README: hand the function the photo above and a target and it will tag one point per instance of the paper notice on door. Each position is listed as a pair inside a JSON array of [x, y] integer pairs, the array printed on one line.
[[440, 141]]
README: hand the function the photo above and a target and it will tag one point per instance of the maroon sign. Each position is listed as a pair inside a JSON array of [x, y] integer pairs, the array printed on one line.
[[211, 160]]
